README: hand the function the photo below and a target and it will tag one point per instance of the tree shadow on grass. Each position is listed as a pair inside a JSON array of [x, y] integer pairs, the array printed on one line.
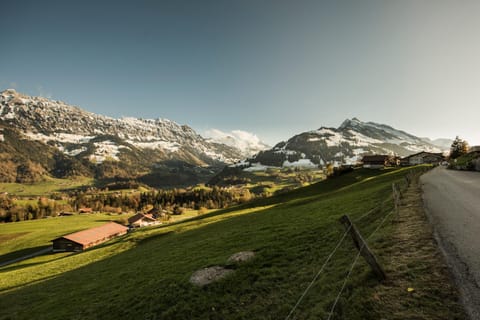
[[26, 265], [20, 253]]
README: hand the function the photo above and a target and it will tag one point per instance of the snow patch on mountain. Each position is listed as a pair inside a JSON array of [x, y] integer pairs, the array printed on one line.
[[74, 152], [248, 143], [106, 150], [302, 163], [257, 167]]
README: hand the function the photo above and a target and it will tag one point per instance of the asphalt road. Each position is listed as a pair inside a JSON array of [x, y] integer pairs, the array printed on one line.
[[452, 202]]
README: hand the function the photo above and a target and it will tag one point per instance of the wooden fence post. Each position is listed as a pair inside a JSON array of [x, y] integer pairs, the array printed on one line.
[[408, 179], [396, 197], [362, 246]]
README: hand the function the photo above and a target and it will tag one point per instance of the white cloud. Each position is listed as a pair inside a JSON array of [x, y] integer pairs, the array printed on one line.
[[43, 93], [247, 142]]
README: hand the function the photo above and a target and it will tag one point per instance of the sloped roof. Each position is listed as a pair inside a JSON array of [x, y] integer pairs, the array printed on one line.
[[153, 210], [425, 153], [375, 158], [88, 236], [140, 216]]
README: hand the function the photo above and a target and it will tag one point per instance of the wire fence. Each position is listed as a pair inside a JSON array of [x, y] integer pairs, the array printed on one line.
[[318, 274], [397, 190]]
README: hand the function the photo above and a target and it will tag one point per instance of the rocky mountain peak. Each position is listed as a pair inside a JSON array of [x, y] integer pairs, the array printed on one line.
[[350, 123], [346, 144]]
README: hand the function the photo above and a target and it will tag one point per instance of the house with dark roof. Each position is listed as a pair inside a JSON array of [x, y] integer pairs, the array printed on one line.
[[142, 220], [474, 149], [423, 158], [375, 161], [158, 213], [81, 240]]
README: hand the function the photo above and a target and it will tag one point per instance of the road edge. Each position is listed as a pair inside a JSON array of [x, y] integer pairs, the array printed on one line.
[[459, 271]]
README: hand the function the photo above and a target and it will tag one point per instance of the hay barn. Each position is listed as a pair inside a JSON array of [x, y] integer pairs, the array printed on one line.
[[84, 239]]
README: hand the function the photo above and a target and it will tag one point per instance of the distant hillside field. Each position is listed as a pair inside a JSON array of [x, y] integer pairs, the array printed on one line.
[[145, 275]]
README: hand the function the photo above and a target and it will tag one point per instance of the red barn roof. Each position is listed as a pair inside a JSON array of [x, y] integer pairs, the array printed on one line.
[[96, 234]]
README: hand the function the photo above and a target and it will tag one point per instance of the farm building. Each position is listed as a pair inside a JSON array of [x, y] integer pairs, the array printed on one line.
[[423, 158], [84, 239], [157, 213], [375, 161], [142, 220], [474, 149]]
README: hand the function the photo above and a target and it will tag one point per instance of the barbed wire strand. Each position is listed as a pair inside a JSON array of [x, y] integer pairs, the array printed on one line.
[[378, 207], [344, 284], [318, 273], [353, 265], [334, 250]]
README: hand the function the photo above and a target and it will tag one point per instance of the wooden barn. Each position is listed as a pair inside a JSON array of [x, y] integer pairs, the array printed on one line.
[[84, 239]]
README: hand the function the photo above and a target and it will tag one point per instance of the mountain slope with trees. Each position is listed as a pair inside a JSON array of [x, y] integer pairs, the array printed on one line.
[[39, 137]]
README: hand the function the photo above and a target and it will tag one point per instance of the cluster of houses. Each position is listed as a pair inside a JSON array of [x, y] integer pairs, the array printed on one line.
[[81, 240], [381, 161]]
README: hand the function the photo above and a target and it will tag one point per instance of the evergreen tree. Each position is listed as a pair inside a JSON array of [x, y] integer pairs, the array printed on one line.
[[459, 147]]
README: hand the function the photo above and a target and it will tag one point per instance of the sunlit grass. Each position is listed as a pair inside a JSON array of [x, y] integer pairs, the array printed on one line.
[[148, 270]]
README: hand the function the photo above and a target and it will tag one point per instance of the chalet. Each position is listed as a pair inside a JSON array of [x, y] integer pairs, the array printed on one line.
[[142, 220], [157, 213], [82, 240], [423, 158], [375, 161], [154, 212], [474, 149]]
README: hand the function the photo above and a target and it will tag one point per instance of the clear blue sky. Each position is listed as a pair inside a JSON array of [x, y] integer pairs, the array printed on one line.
[[274, 68]]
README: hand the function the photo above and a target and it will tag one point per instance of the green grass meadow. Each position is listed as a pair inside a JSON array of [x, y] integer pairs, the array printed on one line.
[[43, 188], [144, 275]]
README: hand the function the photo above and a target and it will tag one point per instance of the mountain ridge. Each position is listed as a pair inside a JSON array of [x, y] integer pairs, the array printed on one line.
[[40, 136], [101, 146], [346, 144]]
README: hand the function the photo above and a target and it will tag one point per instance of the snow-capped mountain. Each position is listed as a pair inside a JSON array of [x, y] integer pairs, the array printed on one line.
[[345, 144], [136, 145], [443, 144], [70, 128], [248, 143]]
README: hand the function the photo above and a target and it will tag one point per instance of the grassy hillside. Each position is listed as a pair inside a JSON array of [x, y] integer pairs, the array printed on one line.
[[45, 187], [145, 274], [270, 181]]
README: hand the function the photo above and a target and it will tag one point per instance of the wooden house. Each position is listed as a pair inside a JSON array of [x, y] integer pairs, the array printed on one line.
[[157, 213], [375, 161], [84, 239], [423, 158], [474, 149], [142, 220]]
